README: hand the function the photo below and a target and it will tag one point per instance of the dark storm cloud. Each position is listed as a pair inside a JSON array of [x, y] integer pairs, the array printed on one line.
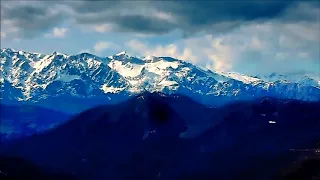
[[27, 20], [142, 24], [207, 12], [27, 13], [190, 16], [152, 17]]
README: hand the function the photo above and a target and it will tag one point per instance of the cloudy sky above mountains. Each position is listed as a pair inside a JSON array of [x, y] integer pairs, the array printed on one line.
[[244, 36]]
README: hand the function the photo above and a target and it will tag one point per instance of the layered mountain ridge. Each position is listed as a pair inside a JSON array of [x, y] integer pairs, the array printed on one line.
[[25, 120], [39, 78], [152, 136]]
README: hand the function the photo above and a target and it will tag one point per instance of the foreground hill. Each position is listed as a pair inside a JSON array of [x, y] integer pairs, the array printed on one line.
[[17, 169], [151, 137], [24, 120]]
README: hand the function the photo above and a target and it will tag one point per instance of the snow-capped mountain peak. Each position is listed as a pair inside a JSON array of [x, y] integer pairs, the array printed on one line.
[[121, 55]]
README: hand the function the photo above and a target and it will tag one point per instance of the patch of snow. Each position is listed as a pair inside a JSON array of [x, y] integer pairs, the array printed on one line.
[[20, 99], [111, 89], [164, 64], [219, 77], [168, 83], [93, 63], [240, 77], [121, 53], [127, 70], [152, 131], [21, 52], [3, 173], [149, 58], [183, 72], [68, 77], [39, 65]]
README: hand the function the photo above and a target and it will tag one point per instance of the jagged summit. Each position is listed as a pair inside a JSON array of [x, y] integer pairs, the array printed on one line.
[[58, 53], [8, 50], [122, 54]]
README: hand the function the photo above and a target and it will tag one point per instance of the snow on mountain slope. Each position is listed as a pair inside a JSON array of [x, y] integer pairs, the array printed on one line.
[[309, 79], [79, 75], [29, 76], [143, 74], [241, 77]]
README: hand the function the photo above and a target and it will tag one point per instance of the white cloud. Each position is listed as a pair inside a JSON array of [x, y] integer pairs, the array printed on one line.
[[57, 33], [3, 35], [171, 50], [16, 39], [103, 28], [103, 45], [163, 16], [307, 31], [256, 43], [137, 46], [219, 54], [84, 51], [257, 48]]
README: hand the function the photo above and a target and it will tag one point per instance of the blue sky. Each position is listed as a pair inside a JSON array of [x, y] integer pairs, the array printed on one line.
[[244, 36]]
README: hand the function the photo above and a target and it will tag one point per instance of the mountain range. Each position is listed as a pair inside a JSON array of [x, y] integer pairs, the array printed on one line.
[[149, 136], [78, 82]]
